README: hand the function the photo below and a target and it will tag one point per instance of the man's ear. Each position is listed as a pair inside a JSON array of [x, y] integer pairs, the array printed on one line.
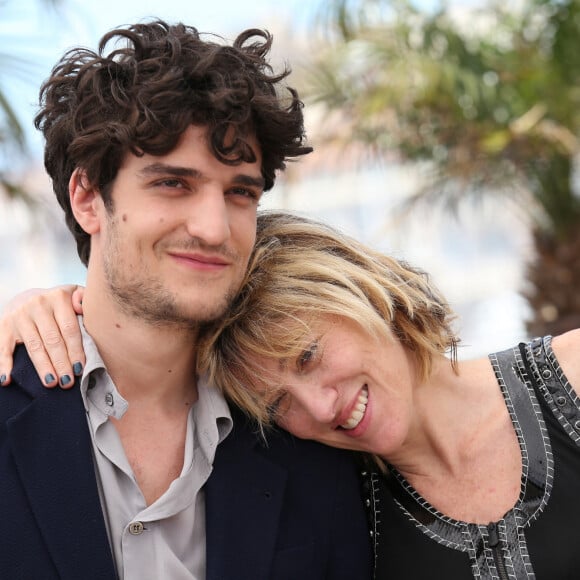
[[85, 201]]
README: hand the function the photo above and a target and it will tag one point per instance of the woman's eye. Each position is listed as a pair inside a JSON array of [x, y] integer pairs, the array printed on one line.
[[307, 355], [279, 406]]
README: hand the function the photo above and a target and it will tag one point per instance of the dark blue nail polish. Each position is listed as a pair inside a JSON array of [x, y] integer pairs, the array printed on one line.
[[64, 380], [48, 378], [2, 379], [78, 369]]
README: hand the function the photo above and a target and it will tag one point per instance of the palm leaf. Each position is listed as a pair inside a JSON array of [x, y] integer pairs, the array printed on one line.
[[487, 102]]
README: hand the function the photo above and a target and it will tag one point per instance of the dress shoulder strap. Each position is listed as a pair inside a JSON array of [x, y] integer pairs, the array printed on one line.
[[550, 383]]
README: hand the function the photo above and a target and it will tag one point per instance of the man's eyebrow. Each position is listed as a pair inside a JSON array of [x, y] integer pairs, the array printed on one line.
[[178, 171], [165, 169], [243, 179]]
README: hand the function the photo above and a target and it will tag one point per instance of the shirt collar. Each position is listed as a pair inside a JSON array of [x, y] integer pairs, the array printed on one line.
[[211, 415], [97, 388]]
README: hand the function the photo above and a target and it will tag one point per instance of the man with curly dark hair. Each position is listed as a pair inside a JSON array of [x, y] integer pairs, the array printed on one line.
[[160, 146]]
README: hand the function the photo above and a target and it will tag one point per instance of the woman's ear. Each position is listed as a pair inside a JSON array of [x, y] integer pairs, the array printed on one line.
[[85, 201]]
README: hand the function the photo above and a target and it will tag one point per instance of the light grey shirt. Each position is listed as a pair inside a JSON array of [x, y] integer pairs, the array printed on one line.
[[167, 538]]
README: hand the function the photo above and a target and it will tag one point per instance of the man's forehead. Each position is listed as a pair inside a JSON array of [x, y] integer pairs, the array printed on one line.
[[196, 139], [202, 132]]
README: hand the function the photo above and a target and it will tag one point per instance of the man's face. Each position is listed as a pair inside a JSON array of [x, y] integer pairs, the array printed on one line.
[[177, 241]]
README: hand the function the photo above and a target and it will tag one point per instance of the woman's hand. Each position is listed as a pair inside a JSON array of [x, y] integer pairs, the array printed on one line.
[[45, 321]]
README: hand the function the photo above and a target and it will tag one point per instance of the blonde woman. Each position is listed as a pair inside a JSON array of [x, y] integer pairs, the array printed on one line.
[[470, 468]]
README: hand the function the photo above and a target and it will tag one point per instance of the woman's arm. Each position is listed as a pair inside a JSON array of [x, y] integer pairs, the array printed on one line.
[[45, 321]]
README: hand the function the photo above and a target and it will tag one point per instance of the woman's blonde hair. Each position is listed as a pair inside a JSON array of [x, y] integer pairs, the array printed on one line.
[[301, 269]]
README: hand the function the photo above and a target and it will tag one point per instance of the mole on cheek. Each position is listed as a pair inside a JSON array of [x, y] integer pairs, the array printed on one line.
[[124, 218], [117, 325]]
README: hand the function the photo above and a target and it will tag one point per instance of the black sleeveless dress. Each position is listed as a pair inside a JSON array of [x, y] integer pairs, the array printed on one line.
[[538, 538]]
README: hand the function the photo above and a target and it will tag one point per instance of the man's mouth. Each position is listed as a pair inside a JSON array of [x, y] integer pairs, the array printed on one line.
[[358, 411], [200, 260]]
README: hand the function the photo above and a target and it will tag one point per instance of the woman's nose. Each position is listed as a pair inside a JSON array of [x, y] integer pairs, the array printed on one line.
[[319, 402]]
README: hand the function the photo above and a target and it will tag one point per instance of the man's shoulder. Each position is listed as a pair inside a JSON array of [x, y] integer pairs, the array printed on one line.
[[24, 375], [23, 388], [279, 445]]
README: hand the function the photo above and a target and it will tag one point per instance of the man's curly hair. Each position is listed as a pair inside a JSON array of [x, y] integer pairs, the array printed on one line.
[[145, 86]]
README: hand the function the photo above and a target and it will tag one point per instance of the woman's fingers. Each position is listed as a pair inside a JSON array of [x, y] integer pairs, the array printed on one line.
[[56, 347], [66, 319], [7, 346], [46, 323], [77, 299], [10, 335], [28, 322]]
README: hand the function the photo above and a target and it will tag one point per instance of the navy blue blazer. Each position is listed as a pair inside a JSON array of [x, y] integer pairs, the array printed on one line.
[[289, 510]]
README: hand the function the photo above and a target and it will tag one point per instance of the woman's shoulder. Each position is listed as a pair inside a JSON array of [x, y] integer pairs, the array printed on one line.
[[566, 348]]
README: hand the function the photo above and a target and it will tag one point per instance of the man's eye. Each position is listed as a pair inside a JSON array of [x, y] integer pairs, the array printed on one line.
[[245, 192], [170, 183]]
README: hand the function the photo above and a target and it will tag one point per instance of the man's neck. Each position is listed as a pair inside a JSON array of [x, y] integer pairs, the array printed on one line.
[[153, 368], [147, 362]]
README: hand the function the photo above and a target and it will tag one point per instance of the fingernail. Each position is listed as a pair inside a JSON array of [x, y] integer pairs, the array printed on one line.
[[48, 378], [78, 369], [64, 380], [2, 380]]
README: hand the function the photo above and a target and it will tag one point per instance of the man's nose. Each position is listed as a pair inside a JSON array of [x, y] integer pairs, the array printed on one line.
[[208, 218]]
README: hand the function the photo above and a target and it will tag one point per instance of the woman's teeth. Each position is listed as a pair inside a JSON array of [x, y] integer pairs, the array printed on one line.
[[358, 411]]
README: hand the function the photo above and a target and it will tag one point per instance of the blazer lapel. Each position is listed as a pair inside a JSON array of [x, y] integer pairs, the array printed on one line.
[[244, 497], [51, 445]]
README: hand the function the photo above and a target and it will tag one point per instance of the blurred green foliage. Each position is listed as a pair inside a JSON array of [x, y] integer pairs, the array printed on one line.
[[488, 96]]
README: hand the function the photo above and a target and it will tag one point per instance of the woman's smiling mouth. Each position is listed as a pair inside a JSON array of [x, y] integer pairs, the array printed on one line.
[[358, 411]]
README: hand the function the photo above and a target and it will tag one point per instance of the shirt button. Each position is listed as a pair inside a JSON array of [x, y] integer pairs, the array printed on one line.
[[136, 528], [109, 399]]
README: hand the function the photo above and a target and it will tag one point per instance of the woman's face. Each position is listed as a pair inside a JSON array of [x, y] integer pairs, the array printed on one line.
[[346, 389]]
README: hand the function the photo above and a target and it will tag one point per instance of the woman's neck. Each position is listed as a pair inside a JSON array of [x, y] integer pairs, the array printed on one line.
[[458, 411], [463, 455]]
